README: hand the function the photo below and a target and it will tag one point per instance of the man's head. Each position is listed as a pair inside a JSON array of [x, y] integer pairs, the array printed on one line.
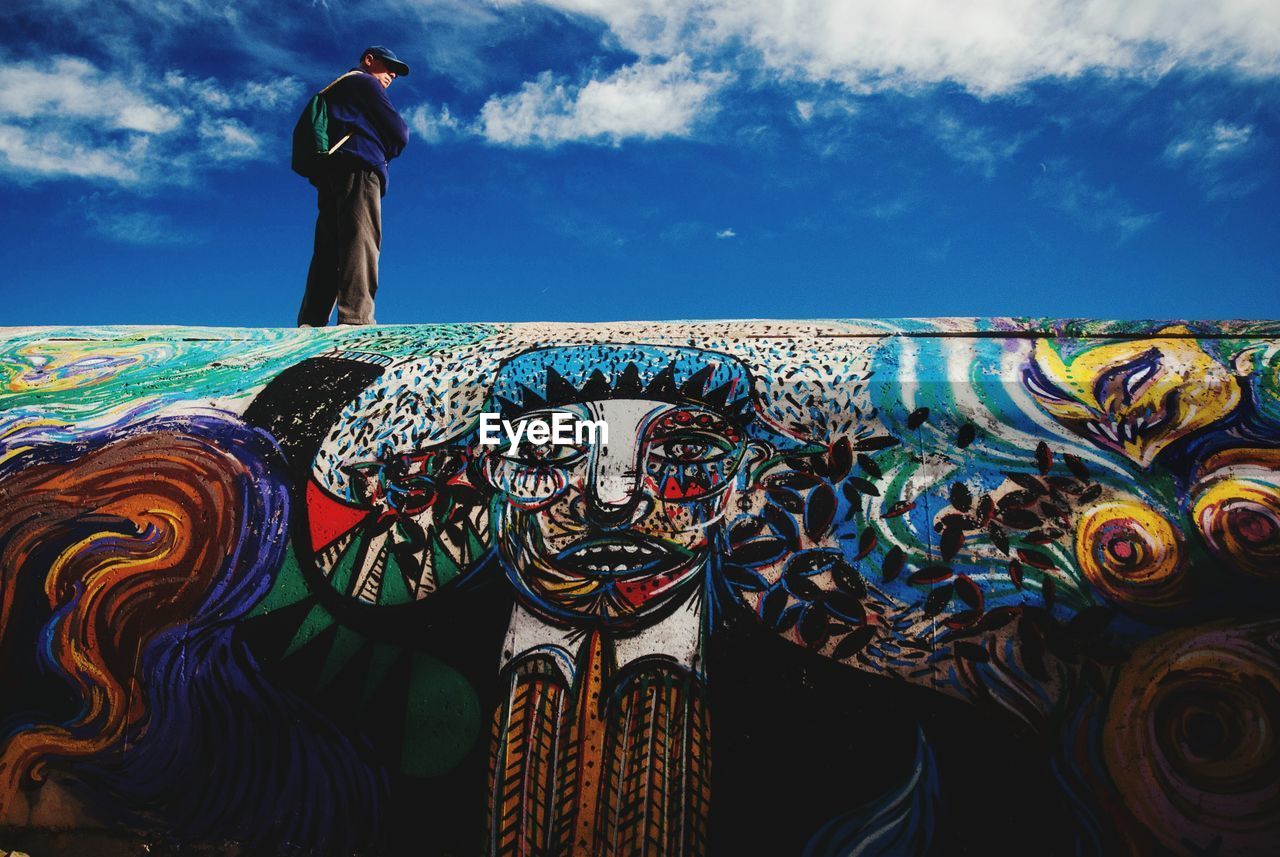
[[608, 533], [383, 64]]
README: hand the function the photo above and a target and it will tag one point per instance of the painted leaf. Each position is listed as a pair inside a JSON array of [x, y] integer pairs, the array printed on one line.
[[960, 497], [820, 512], [787, 499], [871, 444], [1077, 467], [794, 481], [1015, 572], [841, 459], [938, 599], [1043, 537], [1052, 510], [1044, 457], [998, 618], [788, 618], [862, 486], [866, 543], [743, 578], [929, 574], [1064, 484], [813, 626], [846, 607], [1035, 558], [1019, 519], [916, 418], [854, 643], [1016, 500], [952, 540], [986, 510], [956, 520], [970, 593], [966, 435], [784, 525], [1027, 482], [892, 566], [762, 551], [963, 619], [772, 606], [802, 587], [855, 501], [745, 529], [813, 561], [848, 579], [999, 538], [901, 507], [868, 466]]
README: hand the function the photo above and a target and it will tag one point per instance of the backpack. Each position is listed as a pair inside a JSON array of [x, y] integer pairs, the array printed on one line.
[[311, 143]]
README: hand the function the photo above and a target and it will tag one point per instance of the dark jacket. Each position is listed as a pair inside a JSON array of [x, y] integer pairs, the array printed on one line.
[[358, 105]]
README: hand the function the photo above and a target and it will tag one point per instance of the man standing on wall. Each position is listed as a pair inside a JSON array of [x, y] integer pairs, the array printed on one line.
[[350, 186]]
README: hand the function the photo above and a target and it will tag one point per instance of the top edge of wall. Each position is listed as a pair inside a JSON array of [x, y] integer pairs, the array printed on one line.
[[762, 328]]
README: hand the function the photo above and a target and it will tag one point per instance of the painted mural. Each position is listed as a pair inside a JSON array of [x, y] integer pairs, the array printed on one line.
[[827, 588]]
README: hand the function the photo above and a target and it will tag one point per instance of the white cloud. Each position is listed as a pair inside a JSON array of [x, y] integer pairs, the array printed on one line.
[[29, 154], [247, 95], [726, 233], [72, 88], [981, 148], [64, 117], [432, 124], [133, 227], [1095, 208], [647, 100], [1226, 160], [987, 46], [228, 140], [1216, 142]]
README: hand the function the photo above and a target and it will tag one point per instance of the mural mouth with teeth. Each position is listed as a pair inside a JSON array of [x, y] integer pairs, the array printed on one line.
[[612, 558], [616, 580]]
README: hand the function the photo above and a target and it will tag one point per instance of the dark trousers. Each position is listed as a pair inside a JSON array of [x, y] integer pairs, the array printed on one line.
[[344, 263]]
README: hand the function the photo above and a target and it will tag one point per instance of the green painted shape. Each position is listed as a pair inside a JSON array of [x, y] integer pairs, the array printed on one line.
[[442, 565], [289, 587], [384, 656], [475, 546], [394, 589], [346, 643], [442, 720], [344, 569], [317, 620]]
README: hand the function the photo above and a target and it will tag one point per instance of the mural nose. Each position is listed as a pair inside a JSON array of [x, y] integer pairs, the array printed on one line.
[[613, 493]]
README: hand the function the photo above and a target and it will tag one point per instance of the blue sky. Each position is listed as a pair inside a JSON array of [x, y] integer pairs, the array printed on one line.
[[633, 159]]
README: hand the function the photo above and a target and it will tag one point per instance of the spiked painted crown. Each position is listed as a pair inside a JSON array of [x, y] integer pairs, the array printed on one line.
[[549, 377]]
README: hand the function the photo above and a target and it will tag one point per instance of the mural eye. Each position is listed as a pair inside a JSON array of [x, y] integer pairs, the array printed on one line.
[[542, 453], [1131, 378], [689, 448]]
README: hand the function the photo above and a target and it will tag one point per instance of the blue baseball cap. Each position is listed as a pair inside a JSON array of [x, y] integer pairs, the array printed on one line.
[[389, 59]]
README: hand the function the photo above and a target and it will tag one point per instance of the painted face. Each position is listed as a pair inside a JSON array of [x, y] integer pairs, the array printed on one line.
[[610, 532]]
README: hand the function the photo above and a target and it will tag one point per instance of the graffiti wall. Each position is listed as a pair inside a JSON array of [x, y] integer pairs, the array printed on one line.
[[827, 588]]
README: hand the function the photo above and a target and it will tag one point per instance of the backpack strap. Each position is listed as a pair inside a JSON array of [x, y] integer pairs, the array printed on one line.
[[338, 79], [338, 145]]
